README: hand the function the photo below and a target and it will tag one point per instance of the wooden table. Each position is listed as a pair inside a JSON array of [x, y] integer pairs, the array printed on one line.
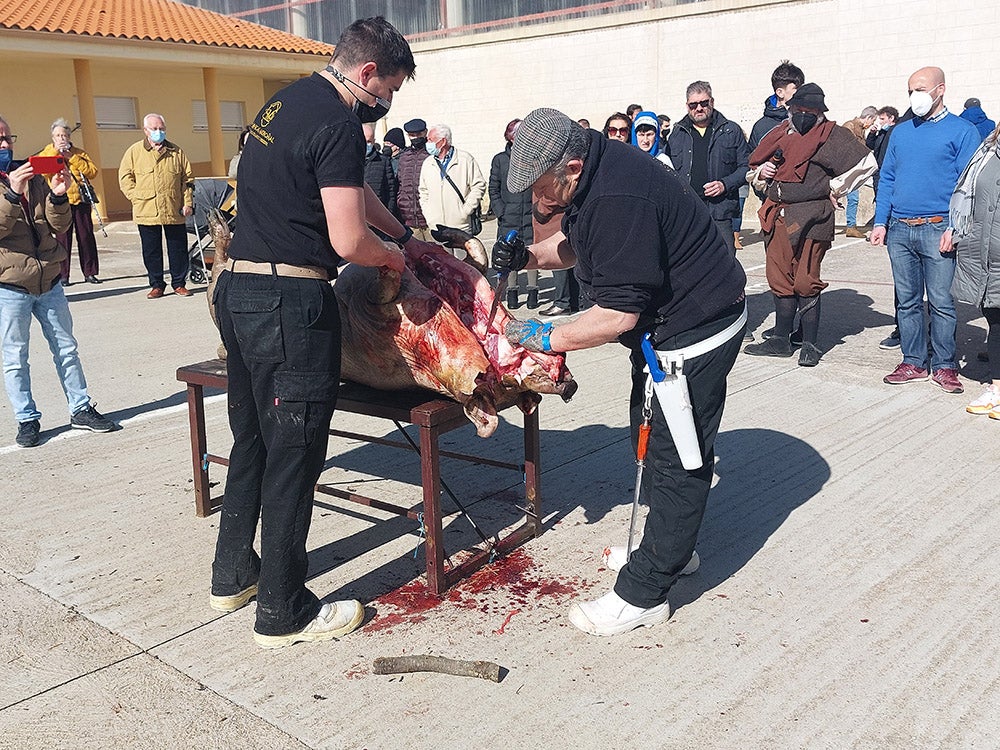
[[432, 414]]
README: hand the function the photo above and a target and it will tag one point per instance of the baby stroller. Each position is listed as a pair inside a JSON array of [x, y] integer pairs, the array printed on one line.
[[209, 192]]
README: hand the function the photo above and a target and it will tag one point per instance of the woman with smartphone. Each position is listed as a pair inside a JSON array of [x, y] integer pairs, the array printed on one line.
[[83, 169]]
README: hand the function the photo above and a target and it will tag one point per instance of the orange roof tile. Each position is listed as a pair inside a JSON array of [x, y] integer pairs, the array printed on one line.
[[151, 20]]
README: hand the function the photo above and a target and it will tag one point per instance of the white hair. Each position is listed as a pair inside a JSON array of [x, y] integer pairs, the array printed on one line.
[[60, 122], [443, 131], [153, 114]]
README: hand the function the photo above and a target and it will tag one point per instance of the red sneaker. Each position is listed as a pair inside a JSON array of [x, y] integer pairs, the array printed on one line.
[[905, 373], [947, 378]]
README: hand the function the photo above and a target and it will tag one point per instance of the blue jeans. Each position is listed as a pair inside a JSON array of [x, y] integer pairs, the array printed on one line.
[[52, 311], [917, 265], [852, 208]]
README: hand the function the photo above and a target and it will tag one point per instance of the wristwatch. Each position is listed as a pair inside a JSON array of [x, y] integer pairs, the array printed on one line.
[[406, 236]]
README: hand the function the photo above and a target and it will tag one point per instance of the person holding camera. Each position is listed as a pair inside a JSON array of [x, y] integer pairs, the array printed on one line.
[[81, 199], [31, 212], [155, 175]]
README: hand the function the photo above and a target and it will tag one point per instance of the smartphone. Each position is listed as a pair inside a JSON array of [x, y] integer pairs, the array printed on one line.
[[47, 164]]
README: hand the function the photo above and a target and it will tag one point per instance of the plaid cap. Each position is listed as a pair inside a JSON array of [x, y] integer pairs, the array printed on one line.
[[539, 143]]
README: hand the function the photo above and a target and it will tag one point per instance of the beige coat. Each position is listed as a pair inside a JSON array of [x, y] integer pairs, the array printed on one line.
[[439, 202], [80, 164], [158, 183]]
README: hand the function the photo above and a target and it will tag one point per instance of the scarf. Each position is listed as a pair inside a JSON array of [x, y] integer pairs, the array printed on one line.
[[964, 198], [797, 149]]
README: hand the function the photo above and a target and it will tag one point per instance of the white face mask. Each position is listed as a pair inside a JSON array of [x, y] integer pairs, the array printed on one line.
[[921, 103]]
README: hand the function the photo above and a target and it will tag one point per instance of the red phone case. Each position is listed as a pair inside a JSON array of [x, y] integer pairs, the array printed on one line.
[[47, 164]]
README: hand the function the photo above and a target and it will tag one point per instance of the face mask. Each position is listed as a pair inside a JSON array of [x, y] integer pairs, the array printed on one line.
[[921, 103], [6, 157], [157, 136], [368, 149], [432, 148], [418, 143], [803, 122], [365, 112]]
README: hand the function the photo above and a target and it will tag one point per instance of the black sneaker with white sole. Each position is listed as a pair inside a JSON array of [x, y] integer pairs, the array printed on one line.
[[27, 433], [88, 418]]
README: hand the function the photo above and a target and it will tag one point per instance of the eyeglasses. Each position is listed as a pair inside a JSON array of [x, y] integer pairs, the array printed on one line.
[[704, 104], [9, 138], [618, 131]]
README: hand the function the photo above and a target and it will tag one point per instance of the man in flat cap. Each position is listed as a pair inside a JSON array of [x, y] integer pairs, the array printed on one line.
[[798, 166], [408, 175], [647, 254]]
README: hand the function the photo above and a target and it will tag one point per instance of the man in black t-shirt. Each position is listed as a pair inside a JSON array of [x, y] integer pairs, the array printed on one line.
[[647, 255], [304, 208]]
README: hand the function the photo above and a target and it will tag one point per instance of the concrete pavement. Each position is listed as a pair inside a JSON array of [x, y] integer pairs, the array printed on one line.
[[846, 599]]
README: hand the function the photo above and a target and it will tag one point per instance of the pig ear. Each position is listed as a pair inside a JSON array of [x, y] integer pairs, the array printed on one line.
[[387, 288]]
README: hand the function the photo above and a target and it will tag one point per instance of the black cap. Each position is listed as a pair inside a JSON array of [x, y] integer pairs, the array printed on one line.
[[416, 125], [972, 102], [395, 137], [810, 96]]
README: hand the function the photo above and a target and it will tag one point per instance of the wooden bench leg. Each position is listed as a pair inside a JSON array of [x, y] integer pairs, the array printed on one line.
[[430, 475], [199, 449]]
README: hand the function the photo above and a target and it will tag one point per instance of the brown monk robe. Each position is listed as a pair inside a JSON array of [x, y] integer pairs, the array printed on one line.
[[797, 216]]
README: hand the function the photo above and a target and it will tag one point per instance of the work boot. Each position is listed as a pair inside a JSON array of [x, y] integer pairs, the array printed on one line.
[[772, 347], [512, 299], [612, 615], [532, 297], [234, 602], [856, 232], [333, 621]]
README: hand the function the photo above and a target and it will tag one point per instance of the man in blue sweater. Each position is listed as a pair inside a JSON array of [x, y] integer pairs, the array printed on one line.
[[925, 157]]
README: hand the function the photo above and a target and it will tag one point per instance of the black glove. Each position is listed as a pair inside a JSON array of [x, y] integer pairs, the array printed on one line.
[[510, 255]]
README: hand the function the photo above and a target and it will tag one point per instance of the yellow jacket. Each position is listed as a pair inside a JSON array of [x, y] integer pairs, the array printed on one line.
[[158, 183], [80, 163]]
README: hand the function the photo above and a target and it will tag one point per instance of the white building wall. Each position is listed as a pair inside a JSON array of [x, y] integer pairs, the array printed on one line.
[[860, 52]]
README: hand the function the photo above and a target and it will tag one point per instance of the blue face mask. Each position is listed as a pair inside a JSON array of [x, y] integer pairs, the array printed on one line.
[[157, 136], [432, 148], [369, 147], [6, 157]]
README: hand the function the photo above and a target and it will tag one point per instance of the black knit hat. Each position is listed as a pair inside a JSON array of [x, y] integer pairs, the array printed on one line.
[[395, 137], [810, 96]]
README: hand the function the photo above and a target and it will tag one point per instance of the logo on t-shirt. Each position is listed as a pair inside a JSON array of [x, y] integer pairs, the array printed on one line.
[[269, 113], [260, 132]]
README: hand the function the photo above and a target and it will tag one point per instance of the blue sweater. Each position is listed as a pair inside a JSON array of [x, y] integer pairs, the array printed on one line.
[[922, 166]]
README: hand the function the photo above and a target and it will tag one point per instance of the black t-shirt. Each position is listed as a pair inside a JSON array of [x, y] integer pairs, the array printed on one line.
[[645, 243], [304, 139]]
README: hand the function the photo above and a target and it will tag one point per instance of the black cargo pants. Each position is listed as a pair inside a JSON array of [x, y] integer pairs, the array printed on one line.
[[282, 336]]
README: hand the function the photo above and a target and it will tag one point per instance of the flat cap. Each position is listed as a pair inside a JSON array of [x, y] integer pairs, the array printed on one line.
[[972, 102], [540, 141], [415, 125], [809, 95]]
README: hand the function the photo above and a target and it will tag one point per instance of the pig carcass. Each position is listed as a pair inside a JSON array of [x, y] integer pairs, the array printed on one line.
[[429, 327]]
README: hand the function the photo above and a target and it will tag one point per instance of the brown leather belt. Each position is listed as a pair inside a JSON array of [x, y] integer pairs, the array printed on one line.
[[923, 220], [277, 269]]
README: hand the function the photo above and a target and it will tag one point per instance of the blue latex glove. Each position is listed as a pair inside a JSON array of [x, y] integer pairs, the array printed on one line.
[[532, 334]]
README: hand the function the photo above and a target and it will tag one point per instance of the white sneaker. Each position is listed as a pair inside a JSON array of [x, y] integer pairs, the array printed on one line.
[[612, 615], [986, 403], [333, 621], [615, 558], [234, 602]]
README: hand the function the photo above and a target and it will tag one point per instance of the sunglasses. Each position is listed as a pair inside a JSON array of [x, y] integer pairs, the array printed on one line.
[[618, 131], [703, 104]]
